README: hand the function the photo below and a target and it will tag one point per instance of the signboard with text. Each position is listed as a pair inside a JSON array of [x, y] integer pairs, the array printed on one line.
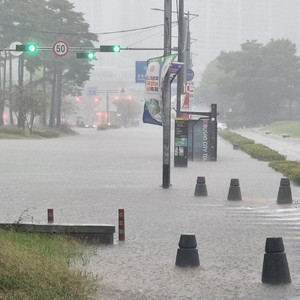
[[181, 143], [140, 71], [199, 147]]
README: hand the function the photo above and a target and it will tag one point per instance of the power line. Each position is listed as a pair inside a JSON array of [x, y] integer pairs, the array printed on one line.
[[75, 33]]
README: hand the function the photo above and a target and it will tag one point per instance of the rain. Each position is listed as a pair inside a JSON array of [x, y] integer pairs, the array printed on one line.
[[123, 143]]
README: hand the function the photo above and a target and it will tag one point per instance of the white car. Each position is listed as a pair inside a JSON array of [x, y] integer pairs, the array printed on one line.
[[222, 126]]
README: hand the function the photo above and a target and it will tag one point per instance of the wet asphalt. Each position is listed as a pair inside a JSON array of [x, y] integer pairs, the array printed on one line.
[[88, 177]]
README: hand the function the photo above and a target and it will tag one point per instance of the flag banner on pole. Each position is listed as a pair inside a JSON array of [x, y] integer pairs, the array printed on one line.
[[152, 107], [174, 69], [155, 74], [165, 66]]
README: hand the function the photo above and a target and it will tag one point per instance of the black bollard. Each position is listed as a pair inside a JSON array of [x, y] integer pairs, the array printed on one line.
[[187, 254], [236, 146], [275, 265], [284, 194], [200, 189], [234, 192]]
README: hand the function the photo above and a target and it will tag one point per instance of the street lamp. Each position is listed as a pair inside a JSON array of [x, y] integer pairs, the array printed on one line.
[[291, 99]]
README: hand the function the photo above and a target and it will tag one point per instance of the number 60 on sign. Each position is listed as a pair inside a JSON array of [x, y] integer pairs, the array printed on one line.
[[60, 48]]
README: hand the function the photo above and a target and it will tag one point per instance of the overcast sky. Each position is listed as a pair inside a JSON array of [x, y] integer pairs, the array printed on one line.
[[221, 25]]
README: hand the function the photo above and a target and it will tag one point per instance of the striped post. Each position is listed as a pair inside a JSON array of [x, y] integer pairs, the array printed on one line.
[[50, 215], [121, 225]]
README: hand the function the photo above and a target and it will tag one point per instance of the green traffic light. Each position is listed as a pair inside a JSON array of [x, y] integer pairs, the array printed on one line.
[[110, 48], [91, 55], [116, 48], [31, 47]]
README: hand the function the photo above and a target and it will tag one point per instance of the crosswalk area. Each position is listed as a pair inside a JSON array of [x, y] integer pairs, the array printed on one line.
[[281, 220]]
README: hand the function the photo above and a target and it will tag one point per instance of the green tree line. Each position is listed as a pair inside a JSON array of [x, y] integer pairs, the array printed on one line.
[[254, 84], [51, 78]]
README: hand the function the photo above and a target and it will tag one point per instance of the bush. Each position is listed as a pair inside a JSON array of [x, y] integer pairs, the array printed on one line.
[[235, 138], [262, 152], [278, 162], [11, 131], [66, 128], [289, 168], [46, 133], [295, 177]]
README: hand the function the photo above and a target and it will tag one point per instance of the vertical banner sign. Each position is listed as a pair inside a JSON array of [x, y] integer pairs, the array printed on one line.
[[181, 143], [141, 69], [205, 140], [199, 142], [156, 71], [152, 106]]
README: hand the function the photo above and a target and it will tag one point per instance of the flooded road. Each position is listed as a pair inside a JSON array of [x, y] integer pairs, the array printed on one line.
[[87, 178]]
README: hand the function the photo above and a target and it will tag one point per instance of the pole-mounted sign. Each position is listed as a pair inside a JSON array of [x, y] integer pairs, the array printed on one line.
[[60, 48]]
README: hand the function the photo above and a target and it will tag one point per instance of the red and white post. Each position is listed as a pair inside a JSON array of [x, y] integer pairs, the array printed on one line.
[[50, 215], [121, 224]]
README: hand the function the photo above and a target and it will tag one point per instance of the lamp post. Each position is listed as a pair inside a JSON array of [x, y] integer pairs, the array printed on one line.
[[290, 103], [166, 97]]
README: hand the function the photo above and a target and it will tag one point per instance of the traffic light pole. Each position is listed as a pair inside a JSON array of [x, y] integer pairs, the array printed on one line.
[[166, 97], [181, 54]]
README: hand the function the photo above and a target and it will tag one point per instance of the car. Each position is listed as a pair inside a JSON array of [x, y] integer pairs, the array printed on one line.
[[222, 126]]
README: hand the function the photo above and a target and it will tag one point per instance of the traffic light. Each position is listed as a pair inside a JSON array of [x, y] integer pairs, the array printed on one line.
[[110, 48], [30, 47], [88, 55]]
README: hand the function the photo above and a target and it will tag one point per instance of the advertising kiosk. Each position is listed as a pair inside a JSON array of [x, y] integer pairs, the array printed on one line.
[[196, 138]]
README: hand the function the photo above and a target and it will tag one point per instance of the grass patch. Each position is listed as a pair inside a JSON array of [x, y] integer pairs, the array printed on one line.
[[12, 132], [284, 127], [36, 266]]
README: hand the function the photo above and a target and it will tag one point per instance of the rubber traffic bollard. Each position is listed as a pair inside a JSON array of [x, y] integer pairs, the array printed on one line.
[[236, 146], [187, 253], [275, 265], [121, 213], [50, 215], [234, 192], [284, 194], [200, 189]]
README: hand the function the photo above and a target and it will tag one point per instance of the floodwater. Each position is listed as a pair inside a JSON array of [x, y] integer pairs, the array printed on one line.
[[87, 178]]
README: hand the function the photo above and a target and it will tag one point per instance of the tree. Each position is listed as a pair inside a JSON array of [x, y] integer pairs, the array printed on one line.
[[128, 108], [257, 77], [28, 102], [30, 20], [210, 92]]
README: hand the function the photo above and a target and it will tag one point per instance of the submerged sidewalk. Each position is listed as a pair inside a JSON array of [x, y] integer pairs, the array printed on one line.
[[288, 146]]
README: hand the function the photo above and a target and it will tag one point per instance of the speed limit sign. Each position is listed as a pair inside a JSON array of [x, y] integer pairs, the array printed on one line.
[[60, 48]]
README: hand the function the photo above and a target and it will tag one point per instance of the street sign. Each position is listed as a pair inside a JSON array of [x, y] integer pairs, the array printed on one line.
[[140, 71], [92, 91], [12, 47], [189, 74], [60, 48]]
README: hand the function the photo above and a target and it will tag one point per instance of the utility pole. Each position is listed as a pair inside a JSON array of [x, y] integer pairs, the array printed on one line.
[[166, 97], [181, 57]]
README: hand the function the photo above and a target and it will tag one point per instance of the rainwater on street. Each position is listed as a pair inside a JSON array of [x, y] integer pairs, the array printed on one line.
[[86, 178]]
